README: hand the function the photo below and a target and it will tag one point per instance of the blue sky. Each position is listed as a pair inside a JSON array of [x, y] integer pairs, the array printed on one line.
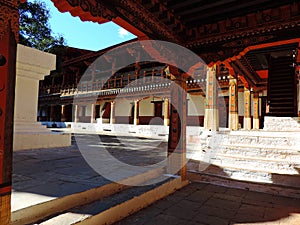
[[85, 35]]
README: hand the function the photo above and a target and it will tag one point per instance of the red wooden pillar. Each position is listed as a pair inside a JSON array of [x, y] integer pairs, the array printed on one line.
[[177, 127], [9, 28]]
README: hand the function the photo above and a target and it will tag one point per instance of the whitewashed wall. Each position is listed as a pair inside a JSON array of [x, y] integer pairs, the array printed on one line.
[[123, 107], [146, 107], [195, 105]]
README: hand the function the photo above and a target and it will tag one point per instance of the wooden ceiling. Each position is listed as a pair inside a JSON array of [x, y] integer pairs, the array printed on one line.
[[177, 20], [216, 30], [195, 13]]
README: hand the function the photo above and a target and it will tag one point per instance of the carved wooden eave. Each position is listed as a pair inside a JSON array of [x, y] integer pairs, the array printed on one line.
[[243, 30], [86, 10], [140, 16], [9, 14]]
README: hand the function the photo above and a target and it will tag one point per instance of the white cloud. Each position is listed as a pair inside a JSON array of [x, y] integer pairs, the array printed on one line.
[[122, 32]]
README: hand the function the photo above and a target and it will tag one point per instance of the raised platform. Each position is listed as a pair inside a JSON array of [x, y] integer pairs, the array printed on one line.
[[35, 136], [32, 66]]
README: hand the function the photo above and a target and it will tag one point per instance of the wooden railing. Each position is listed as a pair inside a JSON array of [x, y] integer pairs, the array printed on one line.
[[145, 79]]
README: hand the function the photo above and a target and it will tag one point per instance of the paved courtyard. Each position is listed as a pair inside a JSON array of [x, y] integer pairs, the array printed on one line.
[[206, 204], [43, 174]]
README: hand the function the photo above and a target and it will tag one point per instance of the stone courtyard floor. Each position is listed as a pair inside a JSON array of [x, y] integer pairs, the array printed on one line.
[[44, 174], [206, 204]]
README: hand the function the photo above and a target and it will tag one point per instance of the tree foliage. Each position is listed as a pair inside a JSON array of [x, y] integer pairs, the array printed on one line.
[[35, 30]]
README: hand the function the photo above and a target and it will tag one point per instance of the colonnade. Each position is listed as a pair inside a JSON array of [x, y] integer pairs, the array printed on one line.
[[211, 118], [211, 112]]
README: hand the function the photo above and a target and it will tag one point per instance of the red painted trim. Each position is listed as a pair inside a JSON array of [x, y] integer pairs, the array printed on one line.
[[260, 46], [63, 6], [5, 190], [262, 73]]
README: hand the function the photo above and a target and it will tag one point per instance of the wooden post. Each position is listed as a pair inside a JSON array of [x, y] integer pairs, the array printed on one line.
[[93, 113], [256, 111], [177, 128], [233, 104], [166, 112], [100, 113], [112, 113], [63, 113], [136, 113], [211, 117], [247, 108], [76, 119], [52, 113], [9, 30]]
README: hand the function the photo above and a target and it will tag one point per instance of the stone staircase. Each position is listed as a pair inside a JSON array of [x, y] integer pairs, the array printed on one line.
[[264, 157]]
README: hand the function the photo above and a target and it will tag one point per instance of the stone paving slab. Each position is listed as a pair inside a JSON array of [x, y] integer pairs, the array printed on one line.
[[206, 204], [41, 175]]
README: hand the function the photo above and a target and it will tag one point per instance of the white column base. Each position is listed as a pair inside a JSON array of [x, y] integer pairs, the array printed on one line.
[[211, 119], [136, 122], [233, 121], [255, 123], [247, 123], [166, 122]]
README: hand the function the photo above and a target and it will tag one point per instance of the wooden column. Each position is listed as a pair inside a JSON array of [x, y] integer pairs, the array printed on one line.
[[233, 104], [100, 113], [63, 113], [211, 117], [177, 128], [166, 112], [52, 112], [136, 113], [112, 113], [247, 108], [93, 113], [256, 111], [9, 30], [76, 118]]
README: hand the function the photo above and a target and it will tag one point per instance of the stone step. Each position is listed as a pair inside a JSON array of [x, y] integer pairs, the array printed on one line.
[[259, 141], [260, 152], [250, 163], [47, 209], [282, 123], [278, 188], [256, 165], [80, 213], [117, 206], [280, 181], [260, 156]]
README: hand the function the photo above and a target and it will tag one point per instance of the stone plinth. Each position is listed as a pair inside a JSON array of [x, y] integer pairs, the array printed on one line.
[[32, 66]]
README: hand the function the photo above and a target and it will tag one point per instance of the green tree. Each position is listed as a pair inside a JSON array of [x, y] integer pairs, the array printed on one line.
[[35, 30]]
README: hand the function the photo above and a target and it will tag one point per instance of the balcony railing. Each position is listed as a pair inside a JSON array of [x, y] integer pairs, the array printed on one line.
[[147, 80]]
